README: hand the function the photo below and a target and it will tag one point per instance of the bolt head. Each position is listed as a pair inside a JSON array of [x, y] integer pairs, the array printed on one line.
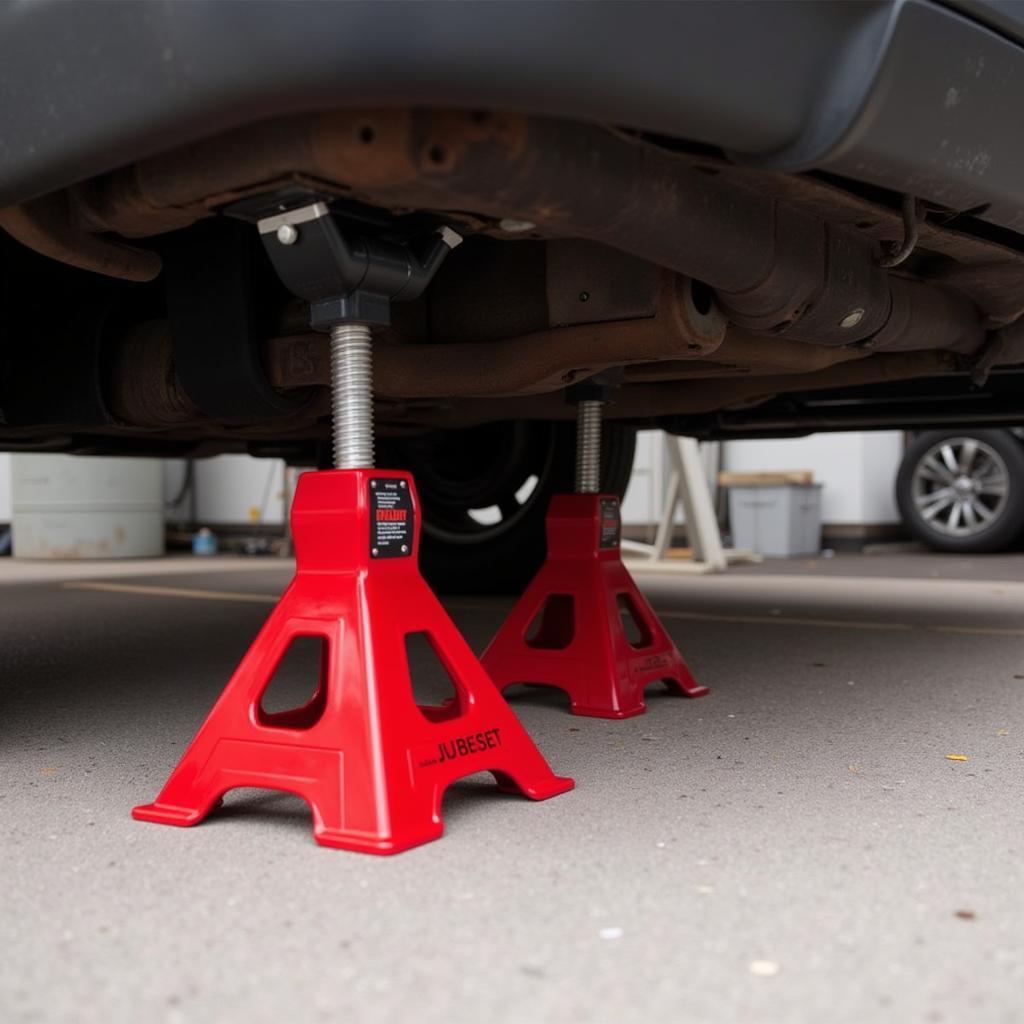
[[375, 552], [401, 483], [405, 549], [287, 234], [852, 318], [515, 227]]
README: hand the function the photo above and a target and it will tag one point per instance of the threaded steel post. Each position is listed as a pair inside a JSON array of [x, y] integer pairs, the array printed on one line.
[[588, 447], [352, 396]]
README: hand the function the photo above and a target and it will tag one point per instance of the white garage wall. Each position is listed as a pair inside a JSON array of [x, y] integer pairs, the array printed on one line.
[[5, 487], [857, 469], [641, 504], [882, 454]]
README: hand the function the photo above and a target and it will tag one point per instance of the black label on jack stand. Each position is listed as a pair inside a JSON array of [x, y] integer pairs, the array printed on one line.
[[611, 523], [391, 518]]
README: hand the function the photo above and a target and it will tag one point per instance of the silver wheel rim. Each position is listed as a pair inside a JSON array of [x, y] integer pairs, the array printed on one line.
[[960, 487]]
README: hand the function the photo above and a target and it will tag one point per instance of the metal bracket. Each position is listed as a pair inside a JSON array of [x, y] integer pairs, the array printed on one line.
[[602, 387], [345, 275], [913, 211]]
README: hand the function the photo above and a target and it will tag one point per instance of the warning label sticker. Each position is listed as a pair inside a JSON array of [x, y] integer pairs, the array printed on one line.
[[391, 518], [611, 523]]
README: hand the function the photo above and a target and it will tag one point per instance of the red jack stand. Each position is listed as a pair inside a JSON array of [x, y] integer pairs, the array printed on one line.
[[577, 600], [371, 763], [567, 629]]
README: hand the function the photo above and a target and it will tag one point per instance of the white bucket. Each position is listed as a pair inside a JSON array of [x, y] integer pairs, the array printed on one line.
[[74, 506]]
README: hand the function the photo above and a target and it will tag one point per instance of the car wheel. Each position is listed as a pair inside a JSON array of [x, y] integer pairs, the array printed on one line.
[[484, 493], [963, 491]]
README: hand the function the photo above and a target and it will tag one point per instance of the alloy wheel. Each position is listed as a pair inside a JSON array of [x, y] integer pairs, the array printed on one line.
[[960, 486]]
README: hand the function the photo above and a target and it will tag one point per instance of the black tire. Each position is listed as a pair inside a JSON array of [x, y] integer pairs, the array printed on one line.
[[483, 468], [926, 483]]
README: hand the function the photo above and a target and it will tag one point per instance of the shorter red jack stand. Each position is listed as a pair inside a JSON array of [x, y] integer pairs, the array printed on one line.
[[372, 764], [567, 629]]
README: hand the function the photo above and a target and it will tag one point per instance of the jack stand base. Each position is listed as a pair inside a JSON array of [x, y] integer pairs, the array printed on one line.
[[569, 630], [371, 763]]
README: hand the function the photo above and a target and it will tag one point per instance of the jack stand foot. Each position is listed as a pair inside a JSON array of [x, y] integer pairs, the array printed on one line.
[[567, 629], [371, 763]]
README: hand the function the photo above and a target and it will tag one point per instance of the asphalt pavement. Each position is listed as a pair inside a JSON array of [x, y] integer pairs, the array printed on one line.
[[797, 846]]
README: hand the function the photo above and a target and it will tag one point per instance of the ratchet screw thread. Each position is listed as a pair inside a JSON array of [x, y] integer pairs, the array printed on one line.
[[588, 447], [352, 396]]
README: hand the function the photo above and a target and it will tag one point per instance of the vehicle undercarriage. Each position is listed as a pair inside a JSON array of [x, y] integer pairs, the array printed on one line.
[[736, 300]]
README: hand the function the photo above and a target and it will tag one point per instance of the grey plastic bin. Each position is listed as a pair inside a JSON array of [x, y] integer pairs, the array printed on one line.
[[777, 520]]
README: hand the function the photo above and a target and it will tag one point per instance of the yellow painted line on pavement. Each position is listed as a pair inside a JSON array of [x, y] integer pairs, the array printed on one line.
[[193, 594], [185, 592], [755, 620], [783, 620], [976, 630]]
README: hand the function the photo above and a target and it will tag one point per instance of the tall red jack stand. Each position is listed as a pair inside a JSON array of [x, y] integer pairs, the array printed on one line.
[[372, 764], [568, 628]]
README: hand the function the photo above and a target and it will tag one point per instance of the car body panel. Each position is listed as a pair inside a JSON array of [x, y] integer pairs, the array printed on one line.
[[894, 94]]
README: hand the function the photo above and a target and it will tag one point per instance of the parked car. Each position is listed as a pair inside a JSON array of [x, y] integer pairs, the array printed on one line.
[[775, 218], [963, 490]]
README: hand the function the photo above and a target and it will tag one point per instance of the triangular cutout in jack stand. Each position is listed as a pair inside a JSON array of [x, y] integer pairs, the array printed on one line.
[[635, 630], [433, 689], [296, 694], [554, 625]]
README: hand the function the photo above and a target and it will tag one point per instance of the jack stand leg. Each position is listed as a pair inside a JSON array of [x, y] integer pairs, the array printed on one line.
[[582, 625], [371, 763]]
